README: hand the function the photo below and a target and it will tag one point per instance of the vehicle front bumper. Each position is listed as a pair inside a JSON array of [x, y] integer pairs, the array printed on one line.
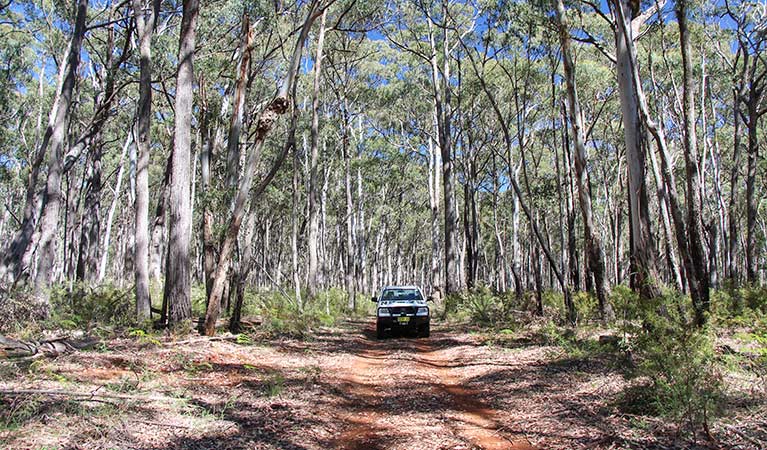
[[399, 322]]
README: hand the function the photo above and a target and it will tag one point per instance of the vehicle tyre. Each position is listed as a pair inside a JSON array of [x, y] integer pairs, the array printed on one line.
[[380, 331], [425, 331]]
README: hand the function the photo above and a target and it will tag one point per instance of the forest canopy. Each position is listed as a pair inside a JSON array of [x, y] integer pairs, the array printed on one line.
[[523, 146]]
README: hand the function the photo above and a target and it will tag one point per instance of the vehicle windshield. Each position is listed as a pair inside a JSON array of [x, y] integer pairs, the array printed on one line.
[[402, 294]]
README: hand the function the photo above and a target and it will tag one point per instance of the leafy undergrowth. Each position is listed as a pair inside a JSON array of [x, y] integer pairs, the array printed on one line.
[[690, 390]]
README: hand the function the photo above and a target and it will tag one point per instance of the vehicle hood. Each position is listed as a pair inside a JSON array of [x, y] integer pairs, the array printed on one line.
[[398, 303]]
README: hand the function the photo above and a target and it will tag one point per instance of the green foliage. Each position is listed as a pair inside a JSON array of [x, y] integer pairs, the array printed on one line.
[[625, 302], [199, 299], [84, 307], [755, 298], [274, 385], [680, 362], [482, 306], [759, 337], [244, 339], [479, 306], [282, 315], [144, 337], [744, 306]]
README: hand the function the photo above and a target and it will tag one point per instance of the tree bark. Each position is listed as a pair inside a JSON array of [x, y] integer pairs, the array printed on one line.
[[177, 294], [238, 105], [593, 243], [635, 137], [313, 188], [441, 93], [52, 200], [145, 23], [698, 275], [206, 159], [112, 208], [350, 250]]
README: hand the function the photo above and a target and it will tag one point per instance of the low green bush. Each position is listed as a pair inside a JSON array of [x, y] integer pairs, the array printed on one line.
[[482, 306], [85, 307], [479, 306], [679, 360], [283, 315], [625, 303]]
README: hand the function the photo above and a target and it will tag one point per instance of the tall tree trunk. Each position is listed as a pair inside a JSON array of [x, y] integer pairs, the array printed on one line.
[[756, 92], [433, 180], [206, 159], [698, 276], [441, 92], [313, 188], [349, 263], [159, 222], [635, 137], [50, 215], [238, 104], [177, 294], [18, 255], [732, 213], [113, 208], [145, 23], [593, 243], [90, 229], [501, 263]]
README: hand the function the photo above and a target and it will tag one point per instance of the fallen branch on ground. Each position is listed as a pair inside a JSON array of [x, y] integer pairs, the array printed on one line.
[[11, 348], [199, 340], [743, 435], [160, 424], [83, 395]]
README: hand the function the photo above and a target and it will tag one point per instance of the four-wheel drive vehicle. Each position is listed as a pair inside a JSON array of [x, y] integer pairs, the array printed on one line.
[[402, 308]]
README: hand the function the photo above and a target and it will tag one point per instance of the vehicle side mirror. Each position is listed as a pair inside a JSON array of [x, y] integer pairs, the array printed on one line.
[[430, 298], [375, 299]]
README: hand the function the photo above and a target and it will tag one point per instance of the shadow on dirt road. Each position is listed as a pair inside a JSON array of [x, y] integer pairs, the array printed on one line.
[[405, 392]]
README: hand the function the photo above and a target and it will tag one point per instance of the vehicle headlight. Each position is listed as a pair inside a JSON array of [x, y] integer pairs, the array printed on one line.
[[384, 312], [422, 312]]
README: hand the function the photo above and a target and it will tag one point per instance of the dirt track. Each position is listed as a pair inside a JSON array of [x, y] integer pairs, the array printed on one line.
[[410, 392]]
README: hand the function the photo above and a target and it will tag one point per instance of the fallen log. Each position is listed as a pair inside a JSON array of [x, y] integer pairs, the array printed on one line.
[[83, 395], [16, 349]]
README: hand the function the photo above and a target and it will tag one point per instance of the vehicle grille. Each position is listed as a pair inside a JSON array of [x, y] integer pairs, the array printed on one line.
[[398, 311]]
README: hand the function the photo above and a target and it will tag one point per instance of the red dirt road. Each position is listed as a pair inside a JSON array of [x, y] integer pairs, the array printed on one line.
[[401, 383]]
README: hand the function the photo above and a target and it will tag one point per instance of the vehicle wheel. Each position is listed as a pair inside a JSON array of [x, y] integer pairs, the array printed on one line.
[[425, 331], [380, 332]]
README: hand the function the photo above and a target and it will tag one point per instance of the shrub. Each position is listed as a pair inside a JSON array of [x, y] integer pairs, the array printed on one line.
[[625, 302], [586, 305], [755, 298], [679, 360], [283, 315], [84, 307], [19, 309], [482, 307]]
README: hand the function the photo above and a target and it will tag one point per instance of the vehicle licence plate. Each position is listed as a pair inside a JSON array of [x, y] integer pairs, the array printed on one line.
[[403, 320]]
